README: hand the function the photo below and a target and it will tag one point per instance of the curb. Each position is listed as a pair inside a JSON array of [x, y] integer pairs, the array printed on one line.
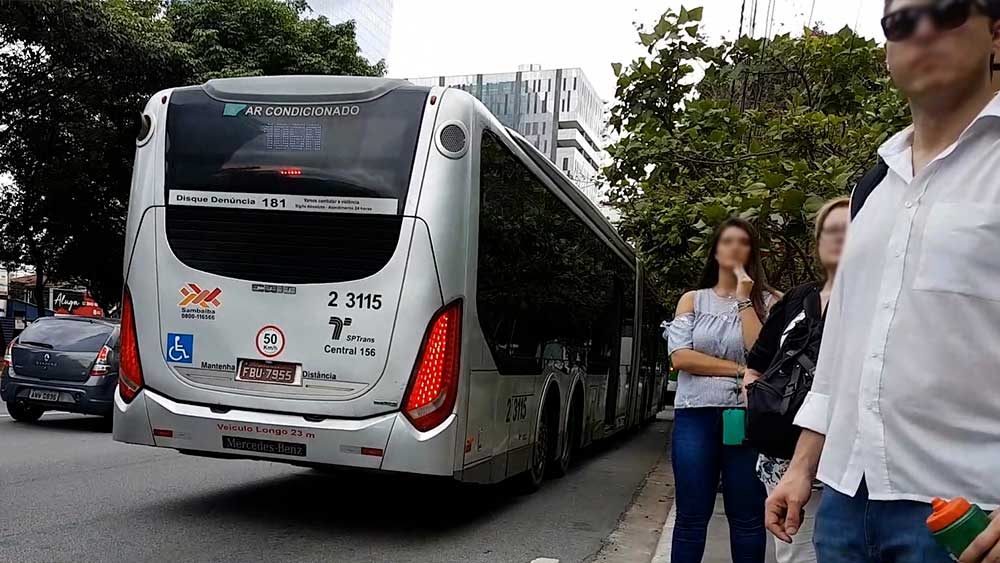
[[662, 553]]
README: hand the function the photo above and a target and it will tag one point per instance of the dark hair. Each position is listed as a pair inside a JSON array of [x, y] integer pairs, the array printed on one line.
[[754, 266]]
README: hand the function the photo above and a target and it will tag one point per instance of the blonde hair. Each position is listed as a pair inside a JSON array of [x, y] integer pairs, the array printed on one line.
[[824, 212]]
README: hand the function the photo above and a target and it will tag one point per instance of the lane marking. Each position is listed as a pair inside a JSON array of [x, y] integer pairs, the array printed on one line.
[[544, 560]]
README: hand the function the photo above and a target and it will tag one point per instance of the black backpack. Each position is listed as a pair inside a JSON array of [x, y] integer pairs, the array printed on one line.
[[867, 185], [775, 398]]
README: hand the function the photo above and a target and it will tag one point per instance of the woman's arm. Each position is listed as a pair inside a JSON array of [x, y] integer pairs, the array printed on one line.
[[768, 337], [683, 356], [751, 327], [697, 363], [767, 345], [751, 323]]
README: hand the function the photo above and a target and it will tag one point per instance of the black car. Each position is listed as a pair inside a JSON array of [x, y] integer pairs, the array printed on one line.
[[62, 363]]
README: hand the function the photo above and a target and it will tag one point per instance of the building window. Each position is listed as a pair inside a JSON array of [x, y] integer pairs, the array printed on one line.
[[545, 106], [565, 164], [550, 85], [543, 128], [564, 83], [574, 83], [546, 146], [534, 128]]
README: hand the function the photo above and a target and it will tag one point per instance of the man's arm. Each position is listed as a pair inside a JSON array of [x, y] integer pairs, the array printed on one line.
[[807, 452], [784, 509]]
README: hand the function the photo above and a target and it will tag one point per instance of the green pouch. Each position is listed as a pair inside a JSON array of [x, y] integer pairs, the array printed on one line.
[[734, 427]]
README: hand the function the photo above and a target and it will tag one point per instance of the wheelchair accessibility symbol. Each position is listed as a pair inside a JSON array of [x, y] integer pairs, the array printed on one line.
[[180, 348]]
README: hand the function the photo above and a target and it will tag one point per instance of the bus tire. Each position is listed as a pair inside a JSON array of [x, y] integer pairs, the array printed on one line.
[[541, 450], [22, 412], [571, 441]]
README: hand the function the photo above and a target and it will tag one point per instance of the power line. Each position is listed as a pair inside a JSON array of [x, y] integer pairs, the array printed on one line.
[[812, 12], [743, 11], [773, 6]]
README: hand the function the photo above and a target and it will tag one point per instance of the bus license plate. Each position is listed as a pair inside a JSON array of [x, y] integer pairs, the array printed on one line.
[[278, 373]]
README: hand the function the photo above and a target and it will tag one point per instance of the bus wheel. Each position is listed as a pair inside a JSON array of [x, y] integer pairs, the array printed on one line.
[[541, 452], [574, 424]]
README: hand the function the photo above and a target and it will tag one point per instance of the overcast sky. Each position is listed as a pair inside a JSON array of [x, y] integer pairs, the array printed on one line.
[[443, 37]]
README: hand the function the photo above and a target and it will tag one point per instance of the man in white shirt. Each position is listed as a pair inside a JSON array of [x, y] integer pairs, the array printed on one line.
[[906, 402]]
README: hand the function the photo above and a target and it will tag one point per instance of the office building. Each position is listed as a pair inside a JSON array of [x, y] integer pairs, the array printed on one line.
[[372, 18], [558, 111]]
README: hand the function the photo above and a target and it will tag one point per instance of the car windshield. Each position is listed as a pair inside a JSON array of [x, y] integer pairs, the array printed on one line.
[[65, 335]]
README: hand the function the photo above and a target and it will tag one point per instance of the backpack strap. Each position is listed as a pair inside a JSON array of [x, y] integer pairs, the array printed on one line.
[[867, 185], [813, 305]]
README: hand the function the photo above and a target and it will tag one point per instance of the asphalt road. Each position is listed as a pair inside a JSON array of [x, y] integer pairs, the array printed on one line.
[[68, 493]]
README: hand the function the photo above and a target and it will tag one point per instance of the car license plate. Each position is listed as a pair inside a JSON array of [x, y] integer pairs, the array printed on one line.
[[43, 395], [278, 373]]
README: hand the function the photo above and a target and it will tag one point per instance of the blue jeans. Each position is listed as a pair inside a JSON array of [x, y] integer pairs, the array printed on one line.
[[858, 530], [699, 458]]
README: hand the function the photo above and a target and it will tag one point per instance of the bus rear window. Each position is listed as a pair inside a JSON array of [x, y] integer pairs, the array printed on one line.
[[354, 150]]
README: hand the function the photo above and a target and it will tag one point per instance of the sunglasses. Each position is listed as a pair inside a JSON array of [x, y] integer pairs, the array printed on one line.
[[901, 24]]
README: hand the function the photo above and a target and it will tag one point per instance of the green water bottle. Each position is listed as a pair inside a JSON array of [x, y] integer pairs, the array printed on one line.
[[956, 523]]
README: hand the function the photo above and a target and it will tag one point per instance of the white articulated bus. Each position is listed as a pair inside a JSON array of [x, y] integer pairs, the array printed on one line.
[[361, 272]]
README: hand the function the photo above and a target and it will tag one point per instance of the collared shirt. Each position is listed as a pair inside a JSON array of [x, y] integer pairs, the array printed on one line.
[[907, 389]]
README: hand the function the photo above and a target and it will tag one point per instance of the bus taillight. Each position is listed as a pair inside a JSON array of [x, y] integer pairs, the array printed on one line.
[[433, 388], [129, 368]]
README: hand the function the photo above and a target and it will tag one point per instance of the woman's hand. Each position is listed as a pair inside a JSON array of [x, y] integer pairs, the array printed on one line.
[[749, 377], [744, 284]]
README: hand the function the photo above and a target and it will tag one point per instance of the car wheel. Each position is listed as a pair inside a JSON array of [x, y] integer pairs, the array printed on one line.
[[23, 412]]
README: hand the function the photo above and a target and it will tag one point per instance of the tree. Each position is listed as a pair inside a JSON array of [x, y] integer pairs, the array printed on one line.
[[228, 38], [74, 75], [772, 129]]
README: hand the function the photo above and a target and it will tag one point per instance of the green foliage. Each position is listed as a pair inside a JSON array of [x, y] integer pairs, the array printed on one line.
[[74, 75], [771, 130], [228, 38]]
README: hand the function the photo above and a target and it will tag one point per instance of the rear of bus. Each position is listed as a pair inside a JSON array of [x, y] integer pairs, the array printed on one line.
[[293, 284]]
